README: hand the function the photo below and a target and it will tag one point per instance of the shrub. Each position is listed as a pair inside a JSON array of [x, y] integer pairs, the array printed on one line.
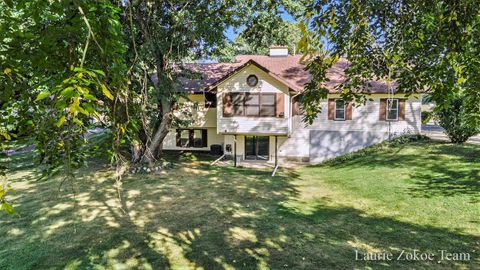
[[426, 117], [407, 138], [454, 120]]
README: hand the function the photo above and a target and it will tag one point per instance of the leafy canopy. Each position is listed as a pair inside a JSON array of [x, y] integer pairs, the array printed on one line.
[[420, 45]]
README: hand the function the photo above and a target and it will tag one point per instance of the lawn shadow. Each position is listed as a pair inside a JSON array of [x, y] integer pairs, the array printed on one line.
[[201, 216], [433, 175]]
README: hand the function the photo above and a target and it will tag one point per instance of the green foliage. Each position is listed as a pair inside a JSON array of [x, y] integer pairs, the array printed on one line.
[[419, 45], [264, 29], [5, 187], [63, 66], [4, 190], [427, 117], [455, 120]]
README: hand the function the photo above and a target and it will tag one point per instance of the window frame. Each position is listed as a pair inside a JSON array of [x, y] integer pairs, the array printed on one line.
[[210, 99], [258, 96], [274, 105], [387, 109], [182, 139], [254, 77], [260, 104], [335, 111], [191, 137], [241, 105]]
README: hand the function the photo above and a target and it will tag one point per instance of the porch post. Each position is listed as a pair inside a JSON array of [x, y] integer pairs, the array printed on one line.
[[235, 150], [276, 157]]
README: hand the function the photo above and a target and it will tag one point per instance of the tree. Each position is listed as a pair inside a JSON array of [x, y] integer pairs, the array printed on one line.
[[164, 34], [250, 41], [266, 29], [61, 66], [455, 121], [414, 45]]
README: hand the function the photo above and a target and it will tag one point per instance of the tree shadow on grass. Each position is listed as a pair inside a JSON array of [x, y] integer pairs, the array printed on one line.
[[435, 168], [198, 216]]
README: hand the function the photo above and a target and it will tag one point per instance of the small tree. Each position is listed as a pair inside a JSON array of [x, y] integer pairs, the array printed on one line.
[[454, 120]]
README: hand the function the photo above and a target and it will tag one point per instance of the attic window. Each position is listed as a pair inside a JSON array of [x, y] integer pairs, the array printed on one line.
[[252, 80]]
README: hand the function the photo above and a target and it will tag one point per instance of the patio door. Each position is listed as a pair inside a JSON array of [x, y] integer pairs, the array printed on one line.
[[256, 147]]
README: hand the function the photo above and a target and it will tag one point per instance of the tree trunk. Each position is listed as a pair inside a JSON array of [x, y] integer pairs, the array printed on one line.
[[158, 135], [137, 151]]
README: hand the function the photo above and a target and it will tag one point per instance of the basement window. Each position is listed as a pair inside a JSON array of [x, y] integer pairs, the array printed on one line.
[[188, 138]]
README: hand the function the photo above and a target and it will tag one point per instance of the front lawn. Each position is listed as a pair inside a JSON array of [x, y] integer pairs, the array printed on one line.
[[421, 195]]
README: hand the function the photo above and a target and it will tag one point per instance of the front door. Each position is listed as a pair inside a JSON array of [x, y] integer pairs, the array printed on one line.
[[256, 147]]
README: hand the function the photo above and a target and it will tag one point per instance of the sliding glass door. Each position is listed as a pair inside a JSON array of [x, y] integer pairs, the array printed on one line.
[[256, 147]]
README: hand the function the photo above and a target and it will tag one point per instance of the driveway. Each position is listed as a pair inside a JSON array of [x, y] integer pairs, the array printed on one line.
[[436, 132]]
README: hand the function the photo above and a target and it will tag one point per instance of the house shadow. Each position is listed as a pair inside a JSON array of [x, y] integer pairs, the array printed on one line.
[[199, 216]]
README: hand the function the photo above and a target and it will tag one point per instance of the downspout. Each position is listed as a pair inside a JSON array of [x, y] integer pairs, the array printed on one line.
[[290, 122], [276, 150], [235, 150], [217, 160], [276, 158]]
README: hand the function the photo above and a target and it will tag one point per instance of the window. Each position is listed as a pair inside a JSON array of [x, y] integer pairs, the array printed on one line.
[[339, 110], [237, 102], [197, 138], [184, 138], [252, 80], [191, 138], [211, 100], [392, 109], [268, 105], [253, 104]]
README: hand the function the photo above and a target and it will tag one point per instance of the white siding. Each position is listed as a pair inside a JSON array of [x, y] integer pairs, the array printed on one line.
[[229, 139], [326, 139], [258, 125], [244, 125], [366, 118]]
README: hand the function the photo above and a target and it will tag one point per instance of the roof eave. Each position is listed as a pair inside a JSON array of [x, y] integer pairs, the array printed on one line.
[[213, 86]]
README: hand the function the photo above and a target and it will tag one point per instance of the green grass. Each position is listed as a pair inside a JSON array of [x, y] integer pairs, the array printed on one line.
[[420, 195]]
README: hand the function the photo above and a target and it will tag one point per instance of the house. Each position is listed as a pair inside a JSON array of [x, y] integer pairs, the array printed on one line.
[[251, 108]]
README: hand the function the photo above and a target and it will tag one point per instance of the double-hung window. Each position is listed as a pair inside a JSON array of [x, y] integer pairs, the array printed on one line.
[[252, 104], [268, 105], [237, 103], [339, 113], [392, 109]]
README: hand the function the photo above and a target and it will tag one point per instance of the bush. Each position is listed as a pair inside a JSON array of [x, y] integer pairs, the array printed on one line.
[[455, 121], [426, 117], [407, 138]]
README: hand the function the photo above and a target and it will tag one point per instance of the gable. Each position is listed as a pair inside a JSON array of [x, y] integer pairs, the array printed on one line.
[[237, 82]]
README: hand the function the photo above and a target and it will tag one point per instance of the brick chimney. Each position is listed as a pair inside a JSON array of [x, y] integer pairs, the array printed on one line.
[[278, 51]]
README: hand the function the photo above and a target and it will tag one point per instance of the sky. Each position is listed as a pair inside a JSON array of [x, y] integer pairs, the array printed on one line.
[[232, 33]]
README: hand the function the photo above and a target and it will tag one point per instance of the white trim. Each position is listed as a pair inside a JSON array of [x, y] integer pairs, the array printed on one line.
[[335, 110], [386, 110]]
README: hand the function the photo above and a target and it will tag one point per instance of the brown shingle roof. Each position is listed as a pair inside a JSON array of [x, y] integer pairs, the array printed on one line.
[[287, 69]]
